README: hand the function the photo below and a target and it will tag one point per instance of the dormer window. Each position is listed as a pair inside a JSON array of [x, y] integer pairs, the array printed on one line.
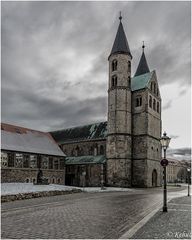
[[138, 102], [114, 65], [114, 81]]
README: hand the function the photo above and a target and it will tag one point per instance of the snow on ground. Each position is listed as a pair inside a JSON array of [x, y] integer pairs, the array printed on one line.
[[15, 188]]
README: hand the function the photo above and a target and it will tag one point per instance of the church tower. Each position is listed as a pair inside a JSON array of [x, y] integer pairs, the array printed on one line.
[[119, 142], [146, 126]]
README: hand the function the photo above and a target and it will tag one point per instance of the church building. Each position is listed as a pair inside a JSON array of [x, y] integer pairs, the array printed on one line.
[[125, 151]]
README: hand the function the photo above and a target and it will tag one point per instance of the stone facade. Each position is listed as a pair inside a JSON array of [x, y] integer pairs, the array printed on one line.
[[146, 134], [119, 142], [92, 178], [94, 172], [12, 171], [84, 148]]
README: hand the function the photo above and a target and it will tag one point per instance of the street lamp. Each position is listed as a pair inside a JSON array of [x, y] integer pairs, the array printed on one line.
[[188, 172], [165, 140]]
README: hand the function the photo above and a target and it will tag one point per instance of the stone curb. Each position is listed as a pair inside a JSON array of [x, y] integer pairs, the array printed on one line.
[[21, 196], [141, 223]]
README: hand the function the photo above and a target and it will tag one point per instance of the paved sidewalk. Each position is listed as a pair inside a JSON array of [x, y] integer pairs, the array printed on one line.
[[175, 224]]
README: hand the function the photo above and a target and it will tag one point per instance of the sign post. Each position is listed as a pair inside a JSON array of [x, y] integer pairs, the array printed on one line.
[[83, 174]]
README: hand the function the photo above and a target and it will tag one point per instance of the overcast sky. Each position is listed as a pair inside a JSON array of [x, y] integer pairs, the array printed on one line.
[[55, 67]]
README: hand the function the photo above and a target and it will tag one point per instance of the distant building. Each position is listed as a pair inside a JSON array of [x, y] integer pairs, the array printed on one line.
[[24, 151], [177, 170]]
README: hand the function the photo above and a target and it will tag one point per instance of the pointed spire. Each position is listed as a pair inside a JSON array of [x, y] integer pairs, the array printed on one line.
[[143, 66], [120, 44]]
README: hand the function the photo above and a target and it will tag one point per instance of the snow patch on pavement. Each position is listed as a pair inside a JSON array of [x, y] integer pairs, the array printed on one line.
[[15, 188]]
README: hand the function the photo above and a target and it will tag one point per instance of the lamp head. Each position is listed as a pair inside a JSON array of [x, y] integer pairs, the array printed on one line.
[[165, 140]]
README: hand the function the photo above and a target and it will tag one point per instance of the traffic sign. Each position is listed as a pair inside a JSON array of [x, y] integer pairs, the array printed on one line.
[[164, 162]]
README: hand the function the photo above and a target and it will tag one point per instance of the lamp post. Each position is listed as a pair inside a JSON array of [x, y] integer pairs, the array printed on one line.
[[188, 173], [165, 140]]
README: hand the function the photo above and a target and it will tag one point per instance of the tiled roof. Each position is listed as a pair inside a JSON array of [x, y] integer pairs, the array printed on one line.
[[87, 132], [15, 138], [141, 81], [85, 160]]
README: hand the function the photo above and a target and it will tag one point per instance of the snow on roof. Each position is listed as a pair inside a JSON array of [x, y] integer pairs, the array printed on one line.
[[20, 139]]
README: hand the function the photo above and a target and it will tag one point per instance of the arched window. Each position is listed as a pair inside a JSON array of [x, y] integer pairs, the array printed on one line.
[[114, 65], [154, 104], [150, 101], [129, 82], [158, 107], [129, 66], [114, 81], [138, 101], [95, 150], [101, 150], [76, 151]]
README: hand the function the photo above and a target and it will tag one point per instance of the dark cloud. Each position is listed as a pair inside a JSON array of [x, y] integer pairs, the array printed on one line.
[[183, 151], [53, 114], [54, 56], [180, 153]]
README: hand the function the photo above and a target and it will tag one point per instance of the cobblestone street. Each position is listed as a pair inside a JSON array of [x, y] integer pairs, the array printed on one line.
[[80, 215]]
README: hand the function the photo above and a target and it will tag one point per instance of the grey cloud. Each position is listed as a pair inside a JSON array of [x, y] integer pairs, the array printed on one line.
[[183, 151], [167, 105], [43, 44], [174, 136], [180, 153], [68, 113], [182, 92]]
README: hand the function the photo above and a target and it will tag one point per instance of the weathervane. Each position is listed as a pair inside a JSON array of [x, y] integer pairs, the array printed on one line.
[[143, 46], [120, 17]]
